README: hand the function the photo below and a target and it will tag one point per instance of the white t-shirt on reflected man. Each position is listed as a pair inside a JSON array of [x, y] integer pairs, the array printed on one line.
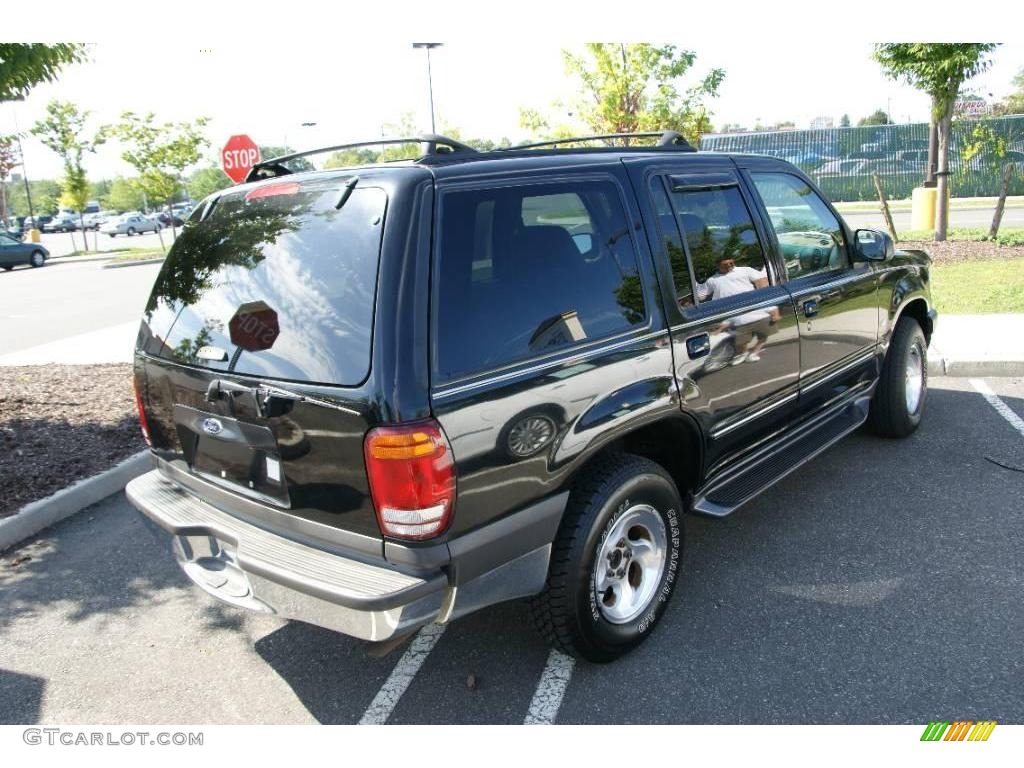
[[734, 282]]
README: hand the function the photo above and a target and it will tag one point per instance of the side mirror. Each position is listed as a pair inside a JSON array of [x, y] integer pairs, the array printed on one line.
[[872, 245]]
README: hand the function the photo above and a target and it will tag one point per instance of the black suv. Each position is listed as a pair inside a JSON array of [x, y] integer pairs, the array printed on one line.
[[384, 396]]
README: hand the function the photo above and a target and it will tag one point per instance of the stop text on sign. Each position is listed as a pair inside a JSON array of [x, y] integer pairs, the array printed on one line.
[[241, 158]]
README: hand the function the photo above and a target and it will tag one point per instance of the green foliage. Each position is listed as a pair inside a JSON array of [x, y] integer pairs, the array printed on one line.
[[9, 160], [124, 195], [1008, 236], [44, 197], [298, 165], [938, 69], [160, 152], [1014, 104], [878, 117], [633, 87], [206, 181], [25, 65], [350, 157]]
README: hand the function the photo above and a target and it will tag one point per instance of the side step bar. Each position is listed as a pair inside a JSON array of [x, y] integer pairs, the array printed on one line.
[[728, 492]]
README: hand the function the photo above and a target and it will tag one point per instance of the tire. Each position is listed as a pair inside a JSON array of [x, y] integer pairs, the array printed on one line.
[[131, 231], [37, 259], [8, 267], [602, 514], [896, 409]]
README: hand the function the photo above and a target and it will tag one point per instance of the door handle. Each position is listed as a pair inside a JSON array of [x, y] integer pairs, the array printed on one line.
[[698, 346], [810, 307]]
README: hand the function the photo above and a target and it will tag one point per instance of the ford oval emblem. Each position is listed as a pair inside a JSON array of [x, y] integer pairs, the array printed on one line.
[[212, 426]]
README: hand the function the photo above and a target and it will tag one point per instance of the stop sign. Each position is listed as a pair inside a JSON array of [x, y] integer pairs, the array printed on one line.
[[254, 326], [238, 156]]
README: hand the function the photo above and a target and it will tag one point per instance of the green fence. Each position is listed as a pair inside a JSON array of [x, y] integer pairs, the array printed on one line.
[[843, 160]]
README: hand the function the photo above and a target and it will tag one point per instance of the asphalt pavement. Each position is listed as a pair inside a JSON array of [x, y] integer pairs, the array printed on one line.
[[63, 243], [881, 583], [959, 218], [80, 305]]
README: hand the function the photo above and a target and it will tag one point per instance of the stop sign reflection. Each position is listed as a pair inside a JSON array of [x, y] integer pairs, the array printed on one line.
[[254, 326]]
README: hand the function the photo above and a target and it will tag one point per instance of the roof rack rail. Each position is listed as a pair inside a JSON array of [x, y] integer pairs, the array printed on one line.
[[666, 139], [433, 144]]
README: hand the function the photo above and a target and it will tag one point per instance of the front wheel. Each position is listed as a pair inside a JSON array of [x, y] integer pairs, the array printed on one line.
[[131, 231], [38, 259], [615, 561], [898, 402]]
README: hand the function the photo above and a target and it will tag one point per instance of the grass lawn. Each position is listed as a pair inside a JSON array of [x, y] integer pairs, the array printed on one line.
[[979, 287], [139, 254]]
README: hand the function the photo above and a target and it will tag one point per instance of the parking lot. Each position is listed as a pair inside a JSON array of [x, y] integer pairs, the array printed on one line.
[[879, 584]]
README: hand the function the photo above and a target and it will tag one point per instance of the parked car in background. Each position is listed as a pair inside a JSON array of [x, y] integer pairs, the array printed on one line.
[[14, 252], [62, 222], [96, 220], [991, 161], [166, 219], [129, 224], [37, 222]]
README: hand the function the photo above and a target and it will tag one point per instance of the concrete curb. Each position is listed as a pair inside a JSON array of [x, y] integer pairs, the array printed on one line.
[[137, 263], [942, 366], [41, 514], [80, 259]]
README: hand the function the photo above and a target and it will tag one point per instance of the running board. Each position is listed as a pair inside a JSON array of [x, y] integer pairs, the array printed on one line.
[[728, 492]]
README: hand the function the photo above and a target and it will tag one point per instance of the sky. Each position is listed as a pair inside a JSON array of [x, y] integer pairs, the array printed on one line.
[[353, 88]]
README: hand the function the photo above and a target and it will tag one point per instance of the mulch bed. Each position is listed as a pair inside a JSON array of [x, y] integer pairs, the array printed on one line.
[[61, 423], [951, 252]]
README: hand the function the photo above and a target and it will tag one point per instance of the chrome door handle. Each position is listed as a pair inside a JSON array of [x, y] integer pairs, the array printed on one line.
[[698, 346], [810, 307]]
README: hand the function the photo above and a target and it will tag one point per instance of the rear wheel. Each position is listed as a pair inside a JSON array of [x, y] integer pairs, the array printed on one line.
[[615, 561], [898, 402]]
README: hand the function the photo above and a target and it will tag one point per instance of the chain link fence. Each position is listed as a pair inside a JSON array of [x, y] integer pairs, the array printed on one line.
[[843, 160]]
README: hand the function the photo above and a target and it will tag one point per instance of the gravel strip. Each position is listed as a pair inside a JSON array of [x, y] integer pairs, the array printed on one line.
[[952, 251], [61, 423]]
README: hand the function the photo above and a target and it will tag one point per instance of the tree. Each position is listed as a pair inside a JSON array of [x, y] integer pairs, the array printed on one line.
[[124, 195], [844, 121], [160, 153], [298, 165], [25, 65], [878, 117], [940, 70], [1014, 103], [44, 197], [206, 181], [63, 131], [634, 87], [9, 160]]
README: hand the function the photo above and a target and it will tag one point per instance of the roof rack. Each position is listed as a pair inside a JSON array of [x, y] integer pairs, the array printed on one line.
[[666, 139], [432, 144]]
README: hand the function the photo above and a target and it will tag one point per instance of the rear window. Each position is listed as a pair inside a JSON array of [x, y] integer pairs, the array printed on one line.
[[276, 283]]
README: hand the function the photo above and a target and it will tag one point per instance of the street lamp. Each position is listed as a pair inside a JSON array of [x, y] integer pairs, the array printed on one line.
[[430, 80]]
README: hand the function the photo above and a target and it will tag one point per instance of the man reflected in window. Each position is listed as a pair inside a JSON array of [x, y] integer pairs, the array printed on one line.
[[750, 331]]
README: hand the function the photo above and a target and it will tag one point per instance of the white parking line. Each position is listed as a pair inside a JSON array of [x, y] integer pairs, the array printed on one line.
[[387, 697], [1003, 409], [547, 699]]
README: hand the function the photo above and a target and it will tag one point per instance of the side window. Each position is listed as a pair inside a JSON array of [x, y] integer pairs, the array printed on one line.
[[673, 244], [810, 238], [726, 254], [523, 271]]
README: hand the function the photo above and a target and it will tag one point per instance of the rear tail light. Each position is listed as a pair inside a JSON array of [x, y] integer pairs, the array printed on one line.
[[142, 412], [412, 479]]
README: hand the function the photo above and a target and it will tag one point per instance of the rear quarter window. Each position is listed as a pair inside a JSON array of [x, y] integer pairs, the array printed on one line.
[[525, 271]]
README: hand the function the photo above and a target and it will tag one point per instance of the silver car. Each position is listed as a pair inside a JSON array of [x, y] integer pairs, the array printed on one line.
[[130, 224]]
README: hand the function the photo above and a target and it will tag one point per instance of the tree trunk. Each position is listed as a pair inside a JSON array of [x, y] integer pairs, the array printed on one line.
[[942, 188], [3, 203], [933, 147], [997, 217], [85, 235], [885, 208]]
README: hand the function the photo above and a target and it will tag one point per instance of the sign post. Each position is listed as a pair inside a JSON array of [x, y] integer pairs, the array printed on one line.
[[238, 156]]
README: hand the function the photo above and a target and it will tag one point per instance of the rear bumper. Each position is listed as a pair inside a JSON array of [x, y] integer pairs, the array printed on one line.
[[249, 567]]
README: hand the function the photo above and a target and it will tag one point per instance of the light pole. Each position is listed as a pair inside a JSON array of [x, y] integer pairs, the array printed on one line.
[[430, 79]]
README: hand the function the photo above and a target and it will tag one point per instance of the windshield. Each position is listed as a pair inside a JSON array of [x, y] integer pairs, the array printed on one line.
[[276, 282]]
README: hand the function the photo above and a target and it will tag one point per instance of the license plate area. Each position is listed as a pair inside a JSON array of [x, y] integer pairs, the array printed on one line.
[[240, 455]]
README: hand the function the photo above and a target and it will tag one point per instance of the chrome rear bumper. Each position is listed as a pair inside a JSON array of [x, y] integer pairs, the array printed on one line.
[[249, 567]]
